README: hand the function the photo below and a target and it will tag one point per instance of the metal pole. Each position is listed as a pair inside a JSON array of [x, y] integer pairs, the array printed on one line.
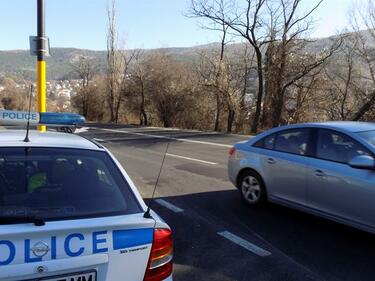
[[41, 63]]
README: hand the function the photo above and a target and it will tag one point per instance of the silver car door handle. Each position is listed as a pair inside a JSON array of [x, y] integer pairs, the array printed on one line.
[[319, 173], [271, 161]]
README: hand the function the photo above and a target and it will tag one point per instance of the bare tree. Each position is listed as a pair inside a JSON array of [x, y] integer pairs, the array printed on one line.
[[170, 89], [365, 15], [216, 76], [288, 61], [219, 77], [139, 75], [244, 68], [344, 90], [112, 79], [117, 67], [246, 21], [307, 100], [13, 98], [85, 70]]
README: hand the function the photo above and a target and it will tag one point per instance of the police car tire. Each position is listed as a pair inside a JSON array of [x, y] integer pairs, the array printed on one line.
[[262, 199]]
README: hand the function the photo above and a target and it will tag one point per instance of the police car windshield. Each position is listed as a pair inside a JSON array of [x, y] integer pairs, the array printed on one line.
[[56, 184]]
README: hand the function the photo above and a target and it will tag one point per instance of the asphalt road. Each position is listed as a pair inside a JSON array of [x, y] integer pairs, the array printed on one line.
[[216, 236]]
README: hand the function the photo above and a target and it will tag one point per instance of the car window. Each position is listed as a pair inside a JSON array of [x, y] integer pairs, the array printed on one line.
[[269, 142], [338, 147], [61, 184], [266, 142], [368, 136], [293, 141]]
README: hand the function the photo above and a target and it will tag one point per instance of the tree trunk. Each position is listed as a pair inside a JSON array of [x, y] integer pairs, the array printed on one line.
[[279, 91], [166, 122], [278, 108], [111, 111], [269, 84], [143, 115], [240, 120], [218, 112], [254, 126], [366, 107], [85, 110], [85, 104], [117, 107], [231, 114], [244, 89]]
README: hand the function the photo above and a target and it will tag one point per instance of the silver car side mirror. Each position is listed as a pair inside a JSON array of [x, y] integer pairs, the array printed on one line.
[[363, 162]]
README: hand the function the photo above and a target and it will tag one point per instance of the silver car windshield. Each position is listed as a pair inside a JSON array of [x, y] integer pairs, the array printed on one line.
[[55, 184], [369, 136]]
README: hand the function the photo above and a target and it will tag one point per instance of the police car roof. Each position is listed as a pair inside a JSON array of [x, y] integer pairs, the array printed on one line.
[[15, 138]]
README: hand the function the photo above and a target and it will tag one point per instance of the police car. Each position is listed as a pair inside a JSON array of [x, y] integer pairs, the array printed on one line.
[[69, 211]]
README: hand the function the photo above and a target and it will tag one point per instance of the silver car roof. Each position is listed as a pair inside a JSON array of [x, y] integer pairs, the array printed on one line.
[[348, 126], [15, 138]]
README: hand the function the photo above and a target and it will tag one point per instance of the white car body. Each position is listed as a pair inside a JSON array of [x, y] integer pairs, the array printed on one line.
[[107, 248]]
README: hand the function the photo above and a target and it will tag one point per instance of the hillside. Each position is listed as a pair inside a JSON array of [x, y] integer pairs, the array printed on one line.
[[20, 64]]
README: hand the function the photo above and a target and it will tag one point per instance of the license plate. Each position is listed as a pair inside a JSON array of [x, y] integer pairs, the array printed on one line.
[[84, 276]]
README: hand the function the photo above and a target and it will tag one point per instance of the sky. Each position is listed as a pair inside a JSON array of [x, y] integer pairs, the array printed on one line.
[[141, 23]]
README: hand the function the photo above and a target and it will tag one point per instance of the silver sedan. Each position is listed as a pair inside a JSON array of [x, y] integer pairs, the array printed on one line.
[[327, 169]]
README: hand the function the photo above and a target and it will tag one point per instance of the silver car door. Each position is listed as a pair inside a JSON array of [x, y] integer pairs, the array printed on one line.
[[286, 166], [334, 187]]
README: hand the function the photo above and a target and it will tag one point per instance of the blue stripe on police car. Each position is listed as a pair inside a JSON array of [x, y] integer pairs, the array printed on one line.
[[121, 239]]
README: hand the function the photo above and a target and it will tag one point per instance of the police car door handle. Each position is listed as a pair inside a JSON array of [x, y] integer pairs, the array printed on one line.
[[271, 161]]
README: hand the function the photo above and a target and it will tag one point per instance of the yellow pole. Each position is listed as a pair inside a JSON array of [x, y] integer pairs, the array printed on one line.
[[41, 89], [41, 63]]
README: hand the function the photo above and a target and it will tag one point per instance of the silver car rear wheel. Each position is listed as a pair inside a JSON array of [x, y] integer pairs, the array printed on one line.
[[251, 189]]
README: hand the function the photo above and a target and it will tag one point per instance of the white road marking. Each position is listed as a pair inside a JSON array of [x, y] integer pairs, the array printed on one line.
[[244, 244], [205, 142], [191, 159], [100, 140], [169, 206], [164, 137], [165, 129], [81, 130]]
